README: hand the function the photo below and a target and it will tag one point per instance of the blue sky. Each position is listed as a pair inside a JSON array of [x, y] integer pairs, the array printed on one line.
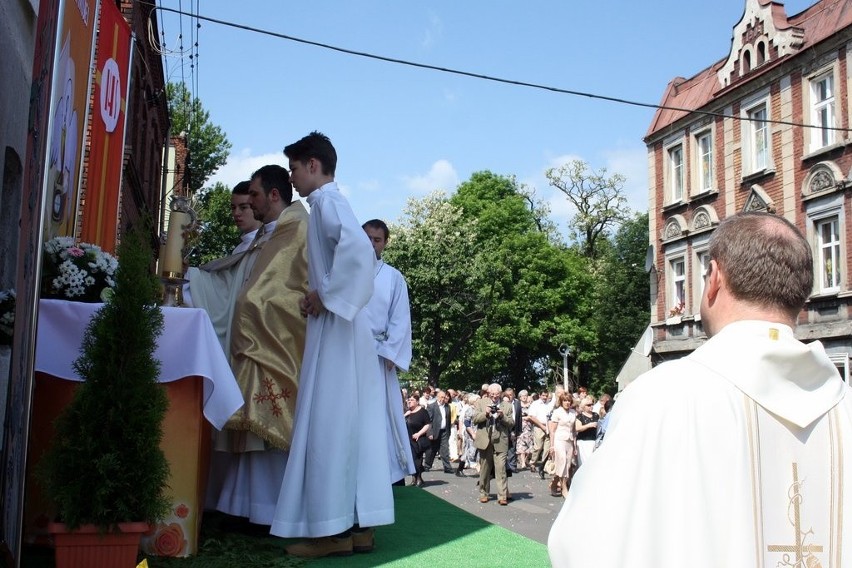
[[402, 132]]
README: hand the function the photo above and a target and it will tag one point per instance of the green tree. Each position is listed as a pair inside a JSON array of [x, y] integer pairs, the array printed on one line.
[[435, 248], [207, 143], [217, 235], [623, 302], [539, 287], [599, 201]]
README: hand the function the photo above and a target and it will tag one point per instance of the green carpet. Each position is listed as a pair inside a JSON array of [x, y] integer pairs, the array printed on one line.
[[428, 532]]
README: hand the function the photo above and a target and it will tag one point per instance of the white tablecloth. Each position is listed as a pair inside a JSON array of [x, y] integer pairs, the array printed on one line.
[[187, 347]]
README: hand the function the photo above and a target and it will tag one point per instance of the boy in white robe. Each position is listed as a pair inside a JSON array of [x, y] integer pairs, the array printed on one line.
[[390, 324], [746, 467], [336, 476]]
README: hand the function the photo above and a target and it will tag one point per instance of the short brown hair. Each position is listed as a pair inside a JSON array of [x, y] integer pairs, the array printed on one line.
[[766, 260]]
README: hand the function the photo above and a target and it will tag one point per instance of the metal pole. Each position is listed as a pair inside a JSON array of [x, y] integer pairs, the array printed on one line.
[[565, 351]]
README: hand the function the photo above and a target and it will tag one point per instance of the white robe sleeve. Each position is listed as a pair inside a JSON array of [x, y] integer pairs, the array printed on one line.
[[397, 346], [347, 284]]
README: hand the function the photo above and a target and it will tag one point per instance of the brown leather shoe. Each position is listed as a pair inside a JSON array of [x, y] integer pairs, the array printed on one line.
[[483, 499], [502, 502], [363, 541], [321, 547]]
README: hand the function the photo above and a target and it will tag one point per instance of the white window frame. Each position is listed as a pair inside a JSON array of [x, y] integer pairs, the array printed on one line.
[[678, 288], [828, 253], [841, 362], [758, 138], [818, 212], [753, 160], [823, 111], [703, 162], [675, 161]]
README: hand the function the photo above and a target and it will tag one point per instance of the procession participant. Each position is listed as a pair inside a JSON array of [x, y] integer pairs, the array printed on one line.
[[265, 339], [494, 421], [390, 323], [337, 478], [243, 216], [748, 467]]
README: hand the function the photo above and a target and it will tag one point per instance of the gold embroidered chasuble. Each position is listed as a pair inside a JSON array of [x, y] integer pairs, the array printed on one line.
[[268, 331]]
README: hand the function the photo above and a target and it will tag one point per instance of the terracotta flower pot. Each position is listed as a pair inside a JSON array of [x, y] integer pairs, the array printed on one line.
[[85, 547]]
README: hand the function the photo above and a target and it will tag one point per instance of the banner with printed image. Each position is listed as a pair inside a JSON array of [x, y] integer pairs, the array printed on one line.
[[68, 112], [108, 119]]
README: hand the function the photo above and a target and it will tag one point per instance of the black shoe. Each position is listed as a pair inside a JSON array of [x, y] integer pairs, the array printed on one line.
[[541, 473], [449, 470], [460, 474]]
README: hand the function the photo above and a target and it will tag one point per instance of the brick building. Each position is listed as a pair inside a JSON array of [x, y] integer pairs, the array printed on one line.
[[738, 143], [147, 131]]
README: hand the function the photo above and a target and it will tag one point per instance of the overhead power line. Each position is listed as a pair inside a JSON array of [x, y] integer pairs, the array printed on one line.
[[496, 79]]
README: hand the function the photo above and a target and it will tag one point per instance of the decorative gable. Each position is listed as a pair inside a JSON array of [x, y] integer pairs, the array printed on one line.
[[762, 35], [758, 200], [675, 228]]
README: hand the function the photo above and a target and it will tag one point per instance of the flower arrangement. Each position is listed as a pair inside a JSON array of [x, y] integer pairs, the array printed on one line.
[[80, 272], [7, 316], [677, 310]]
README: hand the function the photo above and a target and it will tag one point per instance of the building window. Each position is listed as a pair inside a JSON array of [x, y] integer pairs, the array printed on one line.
[[676, 172], [704, 267], [704, 155], [828, 254], [677, 269], [758, 139], [822, 111]]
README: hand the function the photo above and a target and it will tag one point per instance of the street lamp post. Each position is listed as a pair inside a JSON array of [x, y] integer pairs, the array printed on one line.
[[564, 350]]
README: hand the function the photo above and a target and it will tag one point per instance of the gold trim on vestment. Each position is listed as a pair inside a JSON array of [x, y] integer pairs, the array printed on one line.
[[268, 331]]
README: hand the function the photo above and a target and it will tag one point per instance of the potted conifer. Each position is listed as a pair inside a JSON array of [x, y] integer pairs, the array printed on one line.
[[105, 472]]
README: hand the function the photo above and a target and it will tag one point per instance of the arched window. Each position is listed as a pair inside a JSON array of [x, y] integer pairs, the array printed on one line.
[[761, 53], [746, 62]]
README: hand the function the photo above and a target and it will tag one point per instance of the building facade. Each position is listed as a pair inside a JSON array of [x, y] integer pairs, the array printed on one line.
[[766, 128]]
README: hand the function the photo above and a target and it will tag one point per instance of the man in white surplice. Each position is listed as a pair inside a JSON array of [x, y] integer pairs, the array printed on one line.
[[736, 454], [337, 477], [390, 324]]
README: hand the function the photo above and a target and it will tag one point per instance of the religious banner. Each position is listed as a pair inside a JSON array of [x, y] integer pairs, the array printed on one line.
[[108, 119], [69, 107]]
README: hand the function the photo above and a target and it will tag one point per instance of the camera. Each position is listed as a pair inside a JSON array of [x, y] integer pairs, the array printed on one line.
[[495, 408]]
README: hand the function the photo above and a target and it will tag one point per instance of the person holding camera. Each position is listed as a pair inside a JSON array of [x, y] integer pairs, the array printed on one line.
[[494, 420]]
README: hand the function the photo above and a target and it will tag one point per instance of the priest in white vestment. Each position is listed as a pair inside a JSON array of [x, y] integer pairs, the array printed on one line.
[[253, 301], [390, 324], [337, 477], [735, 455]]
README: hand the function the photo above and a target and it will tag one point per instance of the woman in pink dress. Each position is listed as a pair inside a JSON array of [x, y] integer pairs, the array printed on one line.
[[562, 434]]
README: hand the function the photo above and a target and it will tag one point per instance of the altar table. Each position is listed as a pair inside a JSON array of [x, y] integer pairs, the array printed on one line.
[[198, 379]]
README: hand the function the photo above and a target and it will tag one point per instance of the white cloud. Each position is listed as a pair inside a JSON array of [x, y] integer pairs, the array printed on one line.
[[240, 166], [433, 31], [442, 175]]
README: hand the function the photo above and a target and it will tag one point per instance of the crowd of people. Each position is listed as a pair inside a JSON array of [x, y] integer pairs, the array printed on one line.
[[551, 434]]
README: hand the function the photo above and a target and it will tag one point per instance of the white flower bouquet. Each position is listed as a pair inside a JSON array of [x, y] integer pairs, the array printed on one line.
[[80, 272], [7, 316]]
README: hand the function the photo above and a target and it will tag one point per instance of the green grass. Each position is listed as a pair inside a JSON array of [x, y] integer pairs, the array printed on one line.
[[428, 532]]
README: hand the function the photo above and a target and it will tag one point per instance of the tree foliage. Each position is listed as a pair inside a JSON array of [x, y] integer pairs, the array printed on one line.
[[217, 235], [435, 248], [623, 306], [492, 294], [599, 201], [207, 143]]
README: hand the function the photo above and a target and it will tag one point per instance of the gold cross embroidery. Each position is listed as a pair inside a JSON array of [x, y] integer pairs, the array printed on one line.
[[803, 551]]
